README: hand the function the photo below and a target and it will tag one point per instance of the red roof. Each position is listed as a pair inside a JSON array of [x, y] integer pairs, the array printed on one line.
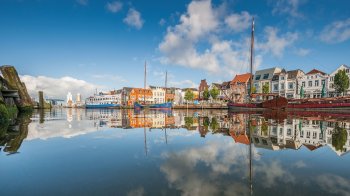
[[315, 71], [240, 138], [241, 78], [311, 147]]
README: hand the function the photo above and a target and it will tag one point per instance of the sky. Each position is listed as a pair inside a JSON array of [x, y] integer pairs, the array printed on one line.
[[83, 45]]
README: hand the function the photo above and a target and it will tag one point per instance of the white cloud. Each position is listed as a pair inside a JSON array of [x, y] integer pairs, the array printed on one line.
[[299, 164], [302, 51], [334, 184], [114, 6], [183, 84], [137, 192], [239, 22], [134, 19], [83, 2], [289, 7], [336, 32], [276, 44], [58, 87]]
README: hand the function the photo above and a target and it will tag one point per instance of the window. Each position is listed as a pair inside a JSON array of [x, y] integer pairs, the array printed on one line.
[[316, 82], [332, 78], [282, 77], [266, 76], [323, 82], [303, 84], [290, 85], [289, 132], [282, 86], [275, 87], [310, 83], [347, 70], [257, 77]]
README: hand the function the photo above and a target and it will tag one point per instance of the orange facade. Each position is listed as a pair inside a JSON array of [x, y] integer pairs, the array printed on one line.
[[137, 95], [239, 87]]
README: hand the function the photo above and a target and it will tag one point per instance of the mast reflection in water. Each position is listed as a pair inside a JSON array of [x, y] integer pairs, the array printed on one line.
[[164, 152]]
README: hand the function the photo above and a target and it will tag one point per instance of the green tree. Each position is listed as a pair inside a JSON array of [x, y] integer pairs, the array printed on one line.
[[206, 94], [254, 89], [214, 92], [188, 122], [214, 125], [341, 82], [339, 138], [189, 95], [266, 88]]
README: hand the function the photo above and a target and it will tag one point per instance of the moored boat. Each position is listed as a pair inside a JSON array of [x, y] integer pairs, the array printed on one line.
[[102, 100]]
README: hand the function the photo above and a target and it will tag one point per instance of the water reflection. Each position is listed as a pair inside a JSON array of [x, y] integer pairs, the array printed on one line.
[[204, 152]]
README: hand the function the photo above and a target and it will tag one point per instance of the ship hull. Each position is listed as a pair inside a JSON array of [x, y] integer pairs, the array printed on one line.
[[161, 105], [91, 106]]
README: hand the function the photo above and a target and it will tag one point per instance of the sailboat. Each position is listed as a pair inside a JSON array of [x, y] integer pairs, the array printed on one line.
[[276, 103], [165, 105]]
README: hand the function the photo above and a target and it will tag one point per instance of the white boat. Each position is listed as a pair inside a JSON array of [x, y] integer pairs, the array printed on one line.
[[103, 100]]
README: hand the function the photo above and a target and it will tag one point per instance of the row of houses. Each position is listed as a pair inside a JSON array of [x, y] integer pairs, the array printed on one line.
[[289, 84]]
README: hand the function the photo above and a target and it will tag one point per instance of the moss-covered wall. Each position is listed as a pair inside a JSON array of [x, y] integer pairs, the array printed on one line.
[[14, 83]]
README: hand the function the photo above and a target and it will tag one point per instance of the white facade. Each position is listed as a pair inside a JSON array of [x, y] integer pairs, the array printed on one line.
[[312, 83], [331, 90], [263, 77], [69, 99], [179, 98], [286, 84], [158, 94]]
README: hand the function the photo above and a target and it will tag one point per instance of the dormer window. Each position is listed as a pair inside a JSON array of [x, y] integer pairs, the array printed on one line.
[[257, 77], [266, 76]]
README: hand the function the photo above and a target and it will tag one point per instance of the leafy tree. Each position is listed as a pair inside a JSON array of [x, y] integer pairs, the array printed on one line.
[[214, 125], [188, 122], [214, 92], [206, 122], [339, 138], [254, 89], [189, 95], [341, 82], [206, 94], [266, 88], [264, 128]]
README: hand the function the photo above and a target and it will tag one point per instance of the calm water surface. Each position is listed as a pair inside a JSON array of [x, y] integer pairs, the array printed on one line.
[[122, 152]]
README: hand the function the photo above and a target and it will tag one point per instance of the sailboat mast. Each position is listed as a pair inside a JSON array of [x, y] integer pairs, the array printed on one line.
[[144, 85], [166, 81], [251, 58]]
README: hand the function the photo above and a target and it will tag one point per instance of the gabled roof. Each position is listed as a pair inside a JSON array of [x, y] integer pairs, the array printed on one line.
[[293, 73], [225, 85], [315, 71], [240, 138], [312, 147], [242, 78], [217, 85]]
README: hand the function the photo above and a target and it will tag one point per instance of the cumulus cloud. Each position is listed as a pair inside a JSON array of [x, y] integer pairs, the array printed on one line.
[[336, 32], [289, 7], [239, 22], [136, 192], [114, 6], [162, 22], [83, 2], [275, 43], [58, 87], [183, 84], [199, 40], [134, 19]]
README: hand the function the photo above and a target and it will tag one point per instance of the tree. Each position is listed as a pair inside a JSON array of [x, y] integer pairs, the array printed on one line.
[[189, 95], [266, 88], [341, 82], [339, 138], [214, 92], [254, 89], [214, 125], [188, 122], [206, 94]]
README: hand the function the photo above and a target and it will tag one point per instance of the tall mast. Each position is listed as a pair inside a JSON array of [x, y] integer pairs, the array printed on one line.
[[251, 58], [144, 83], [166, 80]]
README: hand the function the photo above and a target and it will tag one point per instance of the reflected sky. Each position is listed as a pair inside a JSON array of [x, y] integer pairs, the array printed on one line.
[[205, 152]]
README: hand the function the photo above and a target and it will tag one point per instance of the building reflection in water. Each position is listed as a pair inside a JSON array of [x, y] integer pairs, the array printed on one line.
[[288, 131]]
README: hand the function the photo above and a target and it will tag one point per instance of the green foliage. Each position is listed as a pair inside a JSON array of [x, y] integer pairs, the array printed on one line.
[[206, 122], [266, 88], [188, 122], [206, 94], [264, 128], [339, 138], [341, 81], [214, 92], [4, 113], [13, 111], [254, 89], [214, 125], [189, 95]]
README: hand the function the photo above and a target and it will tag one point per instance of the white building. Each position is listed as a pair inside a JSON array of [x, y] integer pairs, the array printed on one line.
[[312, 83], [158, 94], [178, 98], [263, 77], [69, 101], [331, 90], [286, 83]]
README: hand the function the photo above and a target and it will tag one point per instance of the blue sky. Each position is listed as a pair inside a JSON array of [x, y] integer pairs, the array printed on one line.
[[87, 44]]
